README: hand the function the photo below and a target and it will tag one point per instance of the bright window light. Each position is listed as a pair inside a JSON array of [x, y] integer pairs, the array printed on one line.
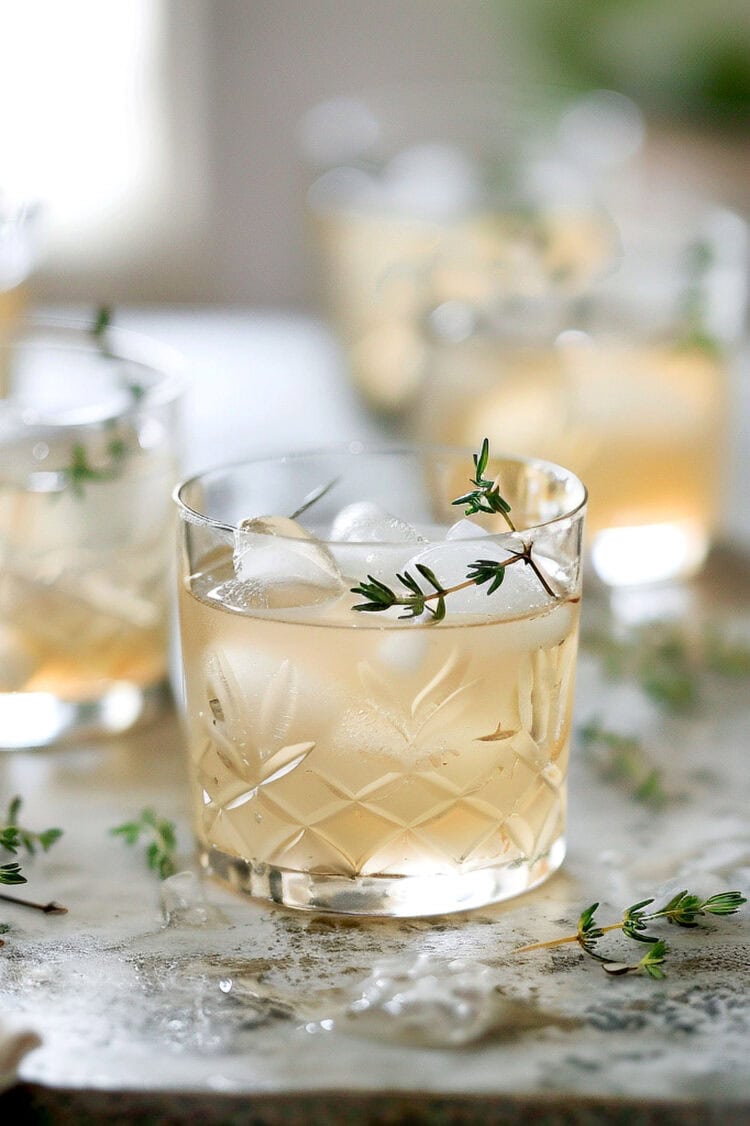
[[81, 120]]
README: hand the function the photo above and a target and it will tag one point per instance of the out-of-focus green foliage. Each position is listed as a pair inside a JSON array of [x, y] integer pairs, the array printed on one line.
[[686, 60]]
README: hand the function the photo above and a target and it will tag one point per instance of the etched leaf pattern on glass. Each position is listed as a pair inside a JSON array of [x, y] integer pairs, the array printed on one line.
[[252, 742], [434, 707]]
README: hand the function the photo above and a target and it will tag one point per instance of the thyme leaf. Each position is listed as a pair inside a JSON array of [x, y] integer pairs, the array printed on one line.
[[11, 873], [622, 758], [482, 572], [669, 663], [160, 836], [485, 497], [13, 835], [81, 472]]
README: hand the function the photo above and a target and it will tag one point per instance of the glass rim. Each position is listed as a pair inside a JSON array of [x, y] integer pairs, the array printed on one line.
[[128, 345], [365, 449]]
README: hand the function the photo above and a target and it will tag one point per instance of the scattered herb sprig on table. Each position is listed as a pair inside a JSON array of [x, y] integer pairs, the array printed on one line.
[[683, 910], [482, 572], [622, 758], [13, 837], [161, 837], [666, 661]]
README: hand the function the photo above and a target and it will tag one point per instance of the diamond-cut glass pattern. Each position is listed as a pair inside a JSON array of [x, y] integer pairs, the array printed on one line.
[[450, 768]]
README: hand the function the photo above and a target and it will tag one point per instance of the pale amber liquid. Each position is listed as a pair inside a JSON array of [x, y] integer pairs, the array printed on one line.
[[84, 582], [383, 274], [324, 742], [13, 304], [643, 426]]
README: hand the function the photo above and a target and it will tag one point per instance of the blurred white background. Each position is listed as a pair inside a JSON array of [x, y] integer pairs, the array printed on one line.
[[160, 135]]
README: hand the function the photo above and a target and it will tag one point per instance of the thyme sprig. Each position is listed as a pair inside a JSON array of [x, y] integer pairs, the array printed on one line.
[[81, 472], [482, 572], [682, 910], [669, 663], [622, 758], [486, 496], [699, 259], [161, 837], [100, 327], [13, 835]]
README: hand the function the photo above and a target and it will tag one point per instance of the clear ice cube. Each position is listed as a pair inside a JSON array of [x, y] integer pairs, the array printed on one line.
[[465, 529], [429, 1002], [282, 564], [389, 542], [184, 903], [366, 522], [403, 650]]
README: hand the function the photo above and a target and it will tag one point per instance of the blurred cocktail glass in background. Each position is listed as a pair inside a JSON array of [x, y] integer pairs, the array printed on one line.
[[630, 385], [494, 266], [19, 233], [428, 198], [87, 463]]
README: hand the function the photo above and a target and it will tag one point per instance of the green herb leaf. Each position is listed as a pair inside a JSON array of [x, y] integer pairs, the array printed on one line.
[[588, 932], [160, 836], [379, 596], [11, 874], [14, 836], [622, 758], [485, 497]]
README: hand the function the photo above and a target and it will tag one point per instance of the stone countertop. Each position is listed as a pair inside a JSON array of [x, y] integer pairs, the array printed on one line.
[[231, 1011]]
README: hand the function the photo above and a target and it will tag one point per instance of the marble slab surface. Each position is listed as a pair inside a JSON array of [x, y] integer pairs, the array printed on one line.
[[231, 1010]]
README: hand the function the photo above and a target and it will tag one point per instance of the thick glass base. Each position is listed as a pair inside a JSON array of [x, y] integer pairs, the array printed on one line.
[[39, 719], [390, 896]]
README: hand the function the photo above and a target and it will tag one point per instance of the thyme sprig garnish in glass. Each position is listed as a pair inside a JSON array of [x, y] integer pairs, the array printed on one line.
[[81, 472], [100, 327], [161, 836], [699, 258], [683, 910], [486, 496], [415, 599]]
